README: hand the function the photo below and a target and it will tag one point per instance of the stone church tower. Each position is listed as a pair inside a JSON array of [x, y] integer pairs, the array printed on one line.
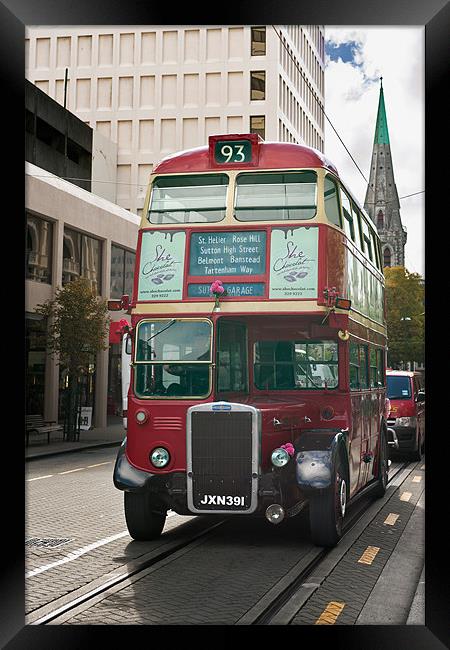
[[381, 203]]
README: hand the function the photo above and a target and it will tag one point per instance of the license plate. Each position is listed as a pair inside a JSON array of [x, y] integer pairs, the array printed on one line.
[[221, 500]]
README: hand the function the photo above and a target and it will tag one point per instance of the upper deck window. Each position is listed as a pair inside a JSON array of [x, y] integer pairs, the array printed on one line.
[[276, 196], [365, 236], [349, 225], [188, 199], [332, 201]]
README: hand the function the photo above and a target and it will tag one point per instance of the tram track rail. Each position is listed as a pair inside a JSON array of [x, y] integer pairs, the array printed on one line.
[[277, 606]]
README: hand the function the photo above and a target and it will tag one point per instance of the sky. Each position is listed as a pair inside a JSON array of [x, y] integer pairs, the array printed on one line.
[[356, 58]]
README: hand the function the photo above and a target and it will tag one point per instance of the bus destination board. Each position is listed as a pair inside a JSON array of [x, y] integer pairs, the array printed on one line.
[[228, 253], [233, 289]]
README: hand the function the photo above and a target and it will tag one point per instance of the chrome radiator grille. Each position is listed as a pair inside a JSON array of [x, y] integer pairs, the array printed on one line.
[[222, 450]]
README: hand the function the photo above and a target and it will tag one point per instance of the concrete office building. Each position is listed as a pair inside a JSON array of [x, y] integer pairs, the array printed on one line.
[[71, 232], [155, 90]]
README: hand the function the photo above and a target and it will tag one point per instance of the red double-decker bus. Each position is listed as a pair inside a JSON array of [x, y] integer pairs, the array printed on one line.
[[258, 342]]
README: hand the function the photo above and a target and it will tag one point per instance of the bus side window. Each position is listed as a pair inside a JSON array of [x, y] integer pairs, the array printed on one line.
[[358, 218], [373, 368], [332, 201], [349, 225], [375, 249], [363, 366], [380, 368], [354, 366]]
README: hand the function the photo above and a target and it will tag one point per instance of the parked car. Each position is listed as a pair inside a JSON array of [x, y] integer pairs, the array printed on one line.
[[406, 393]]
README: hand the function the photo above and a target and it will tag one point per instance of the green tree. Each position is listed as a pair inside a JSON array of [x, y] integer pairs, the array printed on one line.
[[405, 307], [78, 327]]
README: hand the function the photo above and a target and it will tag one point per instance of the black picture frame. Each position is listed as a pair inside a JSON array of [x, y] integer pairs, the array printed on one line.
[[434, 15]]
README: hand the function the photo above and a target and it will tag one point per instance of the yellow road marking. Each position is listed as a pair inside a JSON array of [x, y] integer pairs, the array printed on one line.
[[39, 477], [330, 613], [417, 479], [391, 519], [406, 496], [369, 555]]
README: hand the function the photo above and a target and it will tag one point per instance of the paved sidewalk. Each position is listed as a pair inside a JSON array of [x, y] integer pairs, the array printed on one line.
[[99, 437]]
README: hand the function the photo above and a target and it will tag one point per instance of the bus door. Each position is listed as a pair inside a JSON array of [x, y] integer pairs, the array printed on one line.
[[126, 369]]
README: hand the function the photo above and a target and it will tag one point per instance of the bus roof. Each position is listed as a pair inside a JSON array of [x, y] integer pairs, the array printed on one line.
[[272, 155]]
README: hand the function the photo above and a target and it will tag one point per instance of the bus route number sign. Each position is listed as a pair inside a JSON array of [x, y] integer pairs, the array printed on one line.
[[232, 151]]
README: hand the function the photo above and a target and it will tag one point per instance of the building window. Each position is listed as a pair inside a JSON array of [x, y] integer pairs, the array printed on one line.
[[82, 258], [258, 125], [258, 47], [387, 257], [39, 249], [258, 85], [35, 341], [50, 136], [122, 272]]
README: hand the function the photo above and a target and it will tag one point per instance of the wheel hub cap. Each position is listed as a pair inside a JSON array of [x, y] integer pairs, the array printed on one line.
[[342, 497]]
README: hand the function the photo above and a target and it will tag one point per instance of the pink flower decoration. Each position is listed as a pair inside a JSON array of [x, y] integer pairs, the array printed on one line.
[[217, 288], [289, 448]]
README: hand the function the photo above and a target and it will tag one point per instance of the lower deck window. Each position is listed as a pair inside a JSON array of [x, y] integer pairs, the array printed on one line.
[[292, 365]]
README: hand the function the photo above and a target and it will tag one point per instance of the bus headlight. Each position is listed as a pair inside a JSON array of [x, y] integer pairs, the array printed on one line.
[[160, 457], [280, 457], [141, 416]]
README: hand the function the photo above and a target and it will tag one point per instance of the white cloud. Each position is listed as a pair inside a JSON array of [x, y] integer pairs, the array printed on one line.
[[351, 103]]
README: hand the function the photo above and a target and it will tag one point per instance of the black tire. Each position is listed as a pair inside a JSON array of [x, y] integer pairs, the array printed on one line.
[[145, 520], [327, 508], [416, 455], [383, 466]]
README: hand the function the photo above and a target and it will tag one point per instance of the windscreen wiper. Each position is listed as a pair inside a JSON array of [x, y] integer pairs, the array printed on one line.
[[174, 320]]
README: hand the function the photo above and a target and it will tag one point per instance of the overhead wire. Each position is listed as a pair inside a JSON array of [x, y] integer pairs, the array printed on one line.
[[321, 108]]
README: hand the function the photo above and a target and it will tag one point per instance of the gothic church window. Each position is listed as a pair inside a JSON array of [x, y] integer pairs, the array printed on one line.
[[380, 220]]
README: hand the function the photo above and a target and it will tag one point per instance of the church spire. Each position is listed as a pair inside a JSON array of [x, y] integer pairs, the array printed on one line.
[[381, 129], [382, 203]]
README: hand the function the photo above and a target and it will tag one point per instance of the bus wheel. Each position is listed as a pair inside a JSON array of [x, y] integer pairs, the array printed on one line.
[[383, 466], [144, 522], [327, 509]]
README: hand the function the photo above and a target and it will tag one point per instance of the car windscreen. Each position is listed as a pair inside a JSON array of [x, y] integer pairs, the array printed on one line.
[[398, 387]]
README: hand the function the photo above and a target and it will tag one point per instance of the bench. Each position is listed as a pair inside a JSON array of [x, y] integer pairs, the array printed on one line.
[[37, 424]]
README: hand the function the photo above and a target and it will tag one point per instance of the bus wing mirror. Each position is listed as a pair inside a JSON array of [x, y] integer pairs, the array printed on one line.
[[118, 305]]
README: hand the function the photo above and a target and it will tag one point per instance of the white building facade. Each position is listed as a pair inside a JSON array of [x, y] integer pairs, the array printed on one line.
[[155, 90], [71, 233]]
